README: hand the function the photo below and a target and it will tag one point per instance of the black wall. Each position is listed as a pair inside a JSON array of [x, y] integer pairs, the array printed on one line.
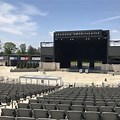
[[69, 46]]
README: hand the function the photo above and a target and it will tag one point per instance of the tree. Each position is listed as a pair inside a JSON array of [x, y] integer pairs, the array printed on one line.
[[23, 48], [31, 50], [9, 48]]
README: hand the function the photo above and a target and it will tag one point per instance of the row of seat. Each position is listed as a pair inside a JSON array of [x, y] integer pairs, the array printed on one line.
[[10, 92], [98, 102], [69, 107], [70, 115]]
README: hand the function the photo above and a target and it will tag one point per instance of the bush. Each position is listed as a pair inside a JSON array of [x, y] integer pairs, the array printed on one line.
[[27, 65]]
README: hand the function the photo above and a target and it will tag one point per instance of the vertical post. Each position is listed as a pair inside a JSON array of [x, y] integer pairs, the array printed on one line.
[[26, 80], [48, 82], [19, 80]]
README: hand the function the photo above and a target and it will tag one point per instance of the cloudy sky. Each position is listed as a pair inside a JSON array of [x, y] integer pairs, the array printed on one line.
[[34, 21]]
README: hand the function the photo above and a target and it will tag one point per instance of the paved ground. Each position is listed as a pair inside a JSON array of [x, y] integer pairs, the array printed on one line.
[[68, 77]]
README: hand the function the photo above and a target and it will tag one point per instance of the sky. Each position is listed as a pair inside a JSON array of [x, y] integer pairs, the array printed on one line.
[[34, 21]]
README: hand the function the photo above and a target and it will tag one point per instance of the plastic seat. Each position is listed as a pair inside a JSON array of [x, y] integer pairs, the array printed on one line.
[[100, 103], [22, 112], [74, 115], [63, 107], [36, 106], [106, 109], [92, 108], [8, 112], [77, 107], [65, 102], [117, 110], [77, 103], [54, 102], [23, 105], [40, 113], [91, 115], [7, 118], [50, 106], [57, 114], [114, 104], [89, 103], [110, 116], [33, 101]]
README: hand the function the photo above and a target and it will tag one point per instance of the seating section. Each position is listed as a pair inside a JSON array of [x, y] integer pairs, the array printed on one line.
[[9, 92], [79, 103]]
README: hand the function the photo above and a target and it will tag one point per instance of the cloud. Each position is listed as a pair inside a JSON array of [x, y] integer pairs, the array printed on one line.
[[106, 20], [11, 30], [18, 19], [51, 33], [31, 10], [114, 31]]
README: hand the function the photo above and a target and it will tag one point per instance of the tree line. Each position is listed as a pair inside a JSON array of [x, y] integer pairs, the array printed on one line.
[[10, 48]]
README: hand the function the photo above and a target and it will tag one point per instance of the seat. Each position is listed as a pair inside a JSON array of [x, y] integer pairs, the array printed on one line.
[[50, 106], [63, 107], [44, 101], [65, 102], [7, 118], [114, 104], [77, 103], [40, 113], [25, 118], [8, 112], [117, 110], [23, 112], [23, 105], [100, 103], [91, 115], [74, 115], [36, 106], [89, 103], [106, 109], [57, 114], [33, 101], [77, 107], [54, 102], [110, 116], [92, 108]]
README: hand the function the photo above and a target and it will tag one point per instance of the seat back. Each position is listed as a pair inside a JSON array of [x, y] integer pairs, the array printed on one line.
[[22, 112], [74, 115], [77, 107], [117, 110], [40, 113], [91, 115], [6, 118], [36, 106], [109, 116], [57, 114], [23, 105], [106, 109], [50, 106], [8, 112], [63, 107], [92, 108]]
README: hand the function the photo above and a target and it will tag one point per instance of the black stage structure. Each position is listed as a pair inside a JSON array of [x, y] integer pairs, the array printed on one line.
[[81, 46]]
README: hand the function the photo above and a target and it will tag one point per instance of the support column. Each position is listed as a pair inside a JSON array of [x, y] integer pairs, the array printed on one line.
[[92, 64], [79, 64]]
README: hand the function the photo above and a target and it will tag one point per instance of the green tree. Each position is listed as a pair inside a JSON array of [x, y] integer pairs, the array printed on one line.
[[31, 50], [9, 48], [23, 48]]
